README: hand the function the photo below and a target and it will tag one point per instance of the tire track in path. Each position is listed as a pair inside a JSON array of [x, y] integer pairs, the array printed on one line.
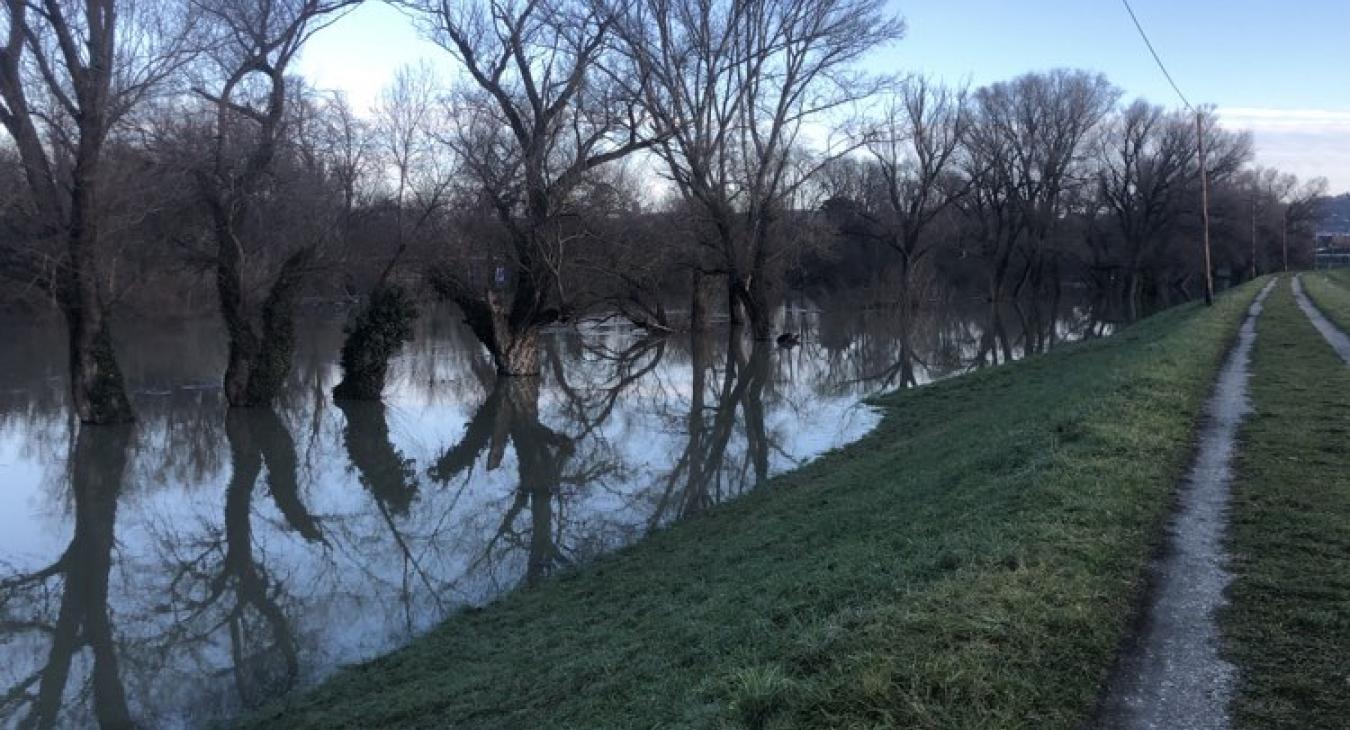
[[1172, 677], [1330, 332]]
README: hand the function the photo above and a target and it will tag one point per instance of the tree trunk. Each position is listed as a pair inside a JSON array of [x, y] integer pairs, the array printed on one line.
[[97, 388], [734, 315], [520, 353], [758, 308], [375, 334], [261, 346], [1132, 294], [698, 302], [96, 384], [514, 345]]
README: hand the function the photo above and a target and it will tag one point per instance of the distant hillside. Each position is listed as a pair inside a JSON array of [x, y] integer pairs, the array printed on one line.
[[1335, 214]]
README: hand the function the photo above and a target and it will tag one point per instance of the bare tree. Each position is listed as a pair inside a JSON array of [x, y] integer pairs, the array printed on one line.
[[1148, 183], [734, 90], [1026, 154], [538, 117], [915, 148], [69, 74], [420, 178], [1301, 215], [1148, 168], [256, 42]]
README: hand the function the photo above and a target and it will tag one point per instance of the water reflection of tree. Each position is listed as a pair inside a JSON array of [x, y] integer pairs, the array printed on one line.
[[704, 475], [392, 480], [381, 468], [880, 349], [1040, 325], [510, 413], [590, 406], [621, 434], [908, 346], [218, 580], [98, 463]]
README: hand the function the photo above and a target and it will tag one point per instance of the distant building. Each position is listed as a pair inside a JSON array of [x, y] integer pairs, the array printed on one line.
[[1333, 249]]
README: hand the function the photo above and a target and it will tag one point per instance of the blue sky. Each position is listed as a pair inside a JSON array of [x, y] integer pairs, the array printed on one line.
[[1279, 68]]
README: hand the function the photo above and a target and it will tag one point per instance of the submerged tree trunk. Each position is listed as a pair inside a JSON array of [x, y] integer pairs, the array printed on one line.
[[753, 296], [699, 295], [520, 353], [515, 349], [375, 334], [506, 322], [755, 374], [513, 344], [261, 345], [96, 384], [734, 311], [696, 497], [760, 309], [541, 456], [380, 466]]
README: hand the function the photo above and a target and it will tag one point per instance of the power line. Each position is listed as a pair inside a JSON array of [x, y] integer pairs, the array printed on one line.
[[1156, 58], [1200, 149]]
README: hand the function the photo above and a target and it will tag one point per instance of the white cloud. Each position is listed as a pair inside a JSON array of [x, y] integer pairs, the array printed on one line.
[[1307, 142]]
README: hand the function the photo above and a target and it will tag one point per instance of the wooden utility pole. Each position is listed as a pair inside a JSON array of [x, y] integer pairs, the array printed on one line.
[[1253, 267], [1284, 238], [1204, 206]]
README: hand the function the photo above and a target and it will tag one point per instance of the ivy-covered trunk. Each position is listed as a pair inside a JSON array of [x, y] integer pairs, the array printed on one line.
[[97, 388], [261, 344], [374, 335]]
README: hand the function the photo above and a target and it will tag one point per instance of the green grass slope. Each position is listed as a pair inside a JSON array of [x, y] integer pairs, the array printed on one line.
[[1288, 627], [973, 563], [1330, 291]]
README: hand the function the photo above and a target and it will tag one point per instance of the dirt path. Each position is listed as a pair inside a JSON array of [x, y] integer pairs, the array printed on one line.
[[1173, 678], [1330, 332]]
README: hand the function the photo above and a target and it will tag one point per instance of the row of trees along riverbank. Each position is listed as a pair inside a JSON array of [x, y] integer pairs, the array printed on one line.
[[589, 156]]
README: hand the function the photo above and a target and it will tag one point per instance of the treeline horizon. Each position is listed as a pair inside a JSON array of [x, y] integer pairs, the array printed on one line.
[[589, 157]]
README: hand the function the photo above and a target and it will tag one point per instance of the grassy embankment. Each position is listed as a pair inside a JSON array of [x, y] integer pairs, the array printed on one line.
[[973, 563], [1288, 627], [1330, 291]]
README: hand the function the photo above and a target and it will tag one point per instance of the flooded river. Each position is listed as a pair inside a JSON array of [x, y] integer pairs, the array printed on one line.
[[178, 571]]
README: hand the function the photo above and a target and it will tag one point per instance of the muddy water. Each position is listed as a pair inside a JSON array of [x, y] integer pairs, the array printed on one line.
[[176, 572]]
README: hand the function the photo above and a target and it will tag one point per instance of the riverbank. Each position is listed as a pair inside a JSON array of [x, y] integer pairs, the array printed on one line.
[[972, 563], [1288, 626]]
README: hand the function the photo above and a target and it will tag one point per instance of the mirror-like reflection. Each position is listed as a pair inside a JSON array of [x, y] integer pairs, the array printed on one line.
[[65, 605], [181, 570]]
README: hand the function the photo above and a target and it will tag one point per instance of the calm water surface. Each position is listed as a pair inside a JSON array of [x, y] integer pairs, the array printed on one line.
[[179, 571]]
